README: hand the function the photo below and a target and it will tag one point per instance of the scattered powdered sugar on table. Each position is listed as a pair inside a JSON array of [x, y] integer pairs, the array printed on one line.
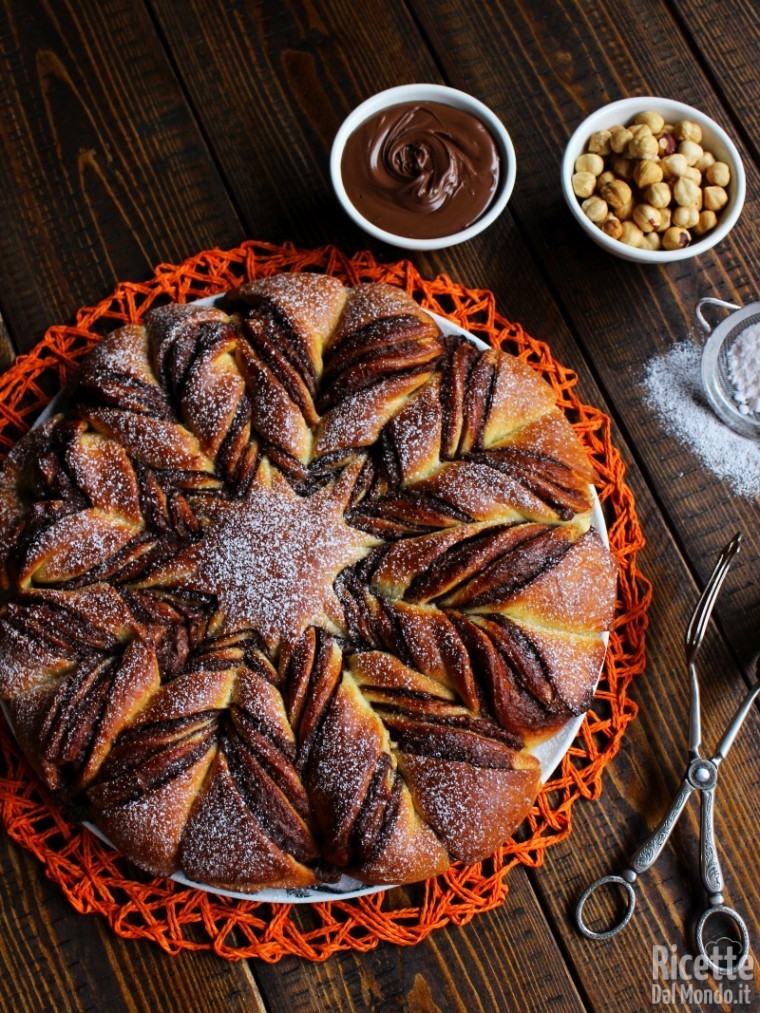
[[673, 387]]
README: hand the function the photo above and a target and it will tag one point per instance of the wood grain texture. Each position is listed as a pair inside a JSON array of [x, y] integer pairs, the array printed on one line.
[[543, 75], [103, 171], [280, 79], [493, 963], [724, 37], [55, 959]]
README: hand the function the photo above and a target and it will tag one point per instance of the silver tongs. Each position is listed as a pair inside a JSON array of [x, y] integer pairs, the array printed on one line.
[[701, 776]]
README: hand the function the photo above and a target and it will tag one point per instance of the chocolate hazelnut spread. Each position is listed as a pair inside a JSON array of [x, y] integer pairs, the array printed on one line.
[[422, 170]]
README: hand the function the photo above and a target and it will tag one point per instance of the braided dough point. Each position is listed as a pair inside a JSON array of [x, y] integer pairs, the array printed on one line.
[[292, 585]]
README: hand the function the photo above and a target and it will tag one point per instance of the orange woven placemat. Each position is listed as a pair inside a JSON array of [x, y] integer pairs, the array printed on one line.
[[95, 878]]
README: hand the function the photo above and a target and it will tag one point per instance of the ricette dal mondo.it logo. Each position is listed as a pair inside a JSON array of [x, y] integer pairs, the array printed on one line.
[[683, 980]]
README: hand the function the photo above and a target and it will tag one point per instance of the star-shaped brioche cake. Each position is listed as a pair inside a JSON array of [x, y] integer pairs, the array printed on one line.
[[292, 587]]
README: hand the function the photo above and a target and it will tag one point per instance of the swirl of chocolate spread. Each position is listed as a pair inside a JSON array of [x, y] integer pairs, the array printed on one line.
[[422, 170]]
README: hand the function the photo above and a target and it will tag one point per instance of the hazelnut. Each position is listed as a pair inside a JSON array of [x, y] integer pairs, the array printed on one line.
[[646, 172], [665, 218], [718, 174], [631, 234], [667, 144], [705, 161], [619, 139], [674, 165], [584, 184], [676, 239], [707, 221], [595, 209], [617, 193], [715, 198], [606, 177], [623, 167], [685, 191], [686, 218], [639, 128], [643, 144], [646, 217], [651, 241], [687, 130], [693, 174], [599, 142], [625, 211], [653, 120], [691, 151], [589, 163], [658, 195], [612, 227]]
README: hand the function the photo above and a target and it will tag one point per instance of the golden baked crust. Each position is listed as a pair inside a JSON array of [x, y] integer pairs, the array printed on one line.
[[292, 587]]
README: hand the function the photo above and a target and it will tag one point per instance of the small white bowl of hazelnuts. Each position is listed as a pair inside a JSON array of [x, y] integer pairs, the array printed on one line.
[[653, 180]]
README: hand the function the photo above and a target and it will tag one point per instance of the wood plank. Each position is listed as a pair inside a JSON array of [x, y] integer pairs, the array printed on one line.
[[494, 963], [280, 79], [725, 36], [54, 958], [104, 172], [543, 75]]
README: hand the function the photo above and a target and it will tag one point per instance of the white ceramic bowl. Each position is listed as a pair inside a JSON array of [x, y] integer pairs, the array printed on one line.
[[714, 139], [426, 93]]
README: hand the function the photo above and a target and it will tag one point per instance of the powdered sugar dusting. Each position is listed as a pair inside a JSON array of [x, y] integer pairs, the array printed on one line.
[[374, 302], [311, 302], [273, 557], [672, 386]]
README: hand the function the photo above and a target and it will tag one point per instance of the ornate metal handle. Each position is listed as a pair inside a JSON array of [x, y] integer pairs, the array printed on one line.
[[712, 877], [647, 852]]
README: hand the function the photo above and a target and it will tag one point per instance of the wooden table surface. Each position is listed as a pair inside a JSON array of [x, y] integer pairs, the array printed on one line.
[[134, 132]]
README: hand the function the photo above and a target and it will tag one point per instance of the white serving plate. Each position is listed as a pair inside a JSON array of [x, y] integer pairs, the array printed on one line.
[[549, 753]]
